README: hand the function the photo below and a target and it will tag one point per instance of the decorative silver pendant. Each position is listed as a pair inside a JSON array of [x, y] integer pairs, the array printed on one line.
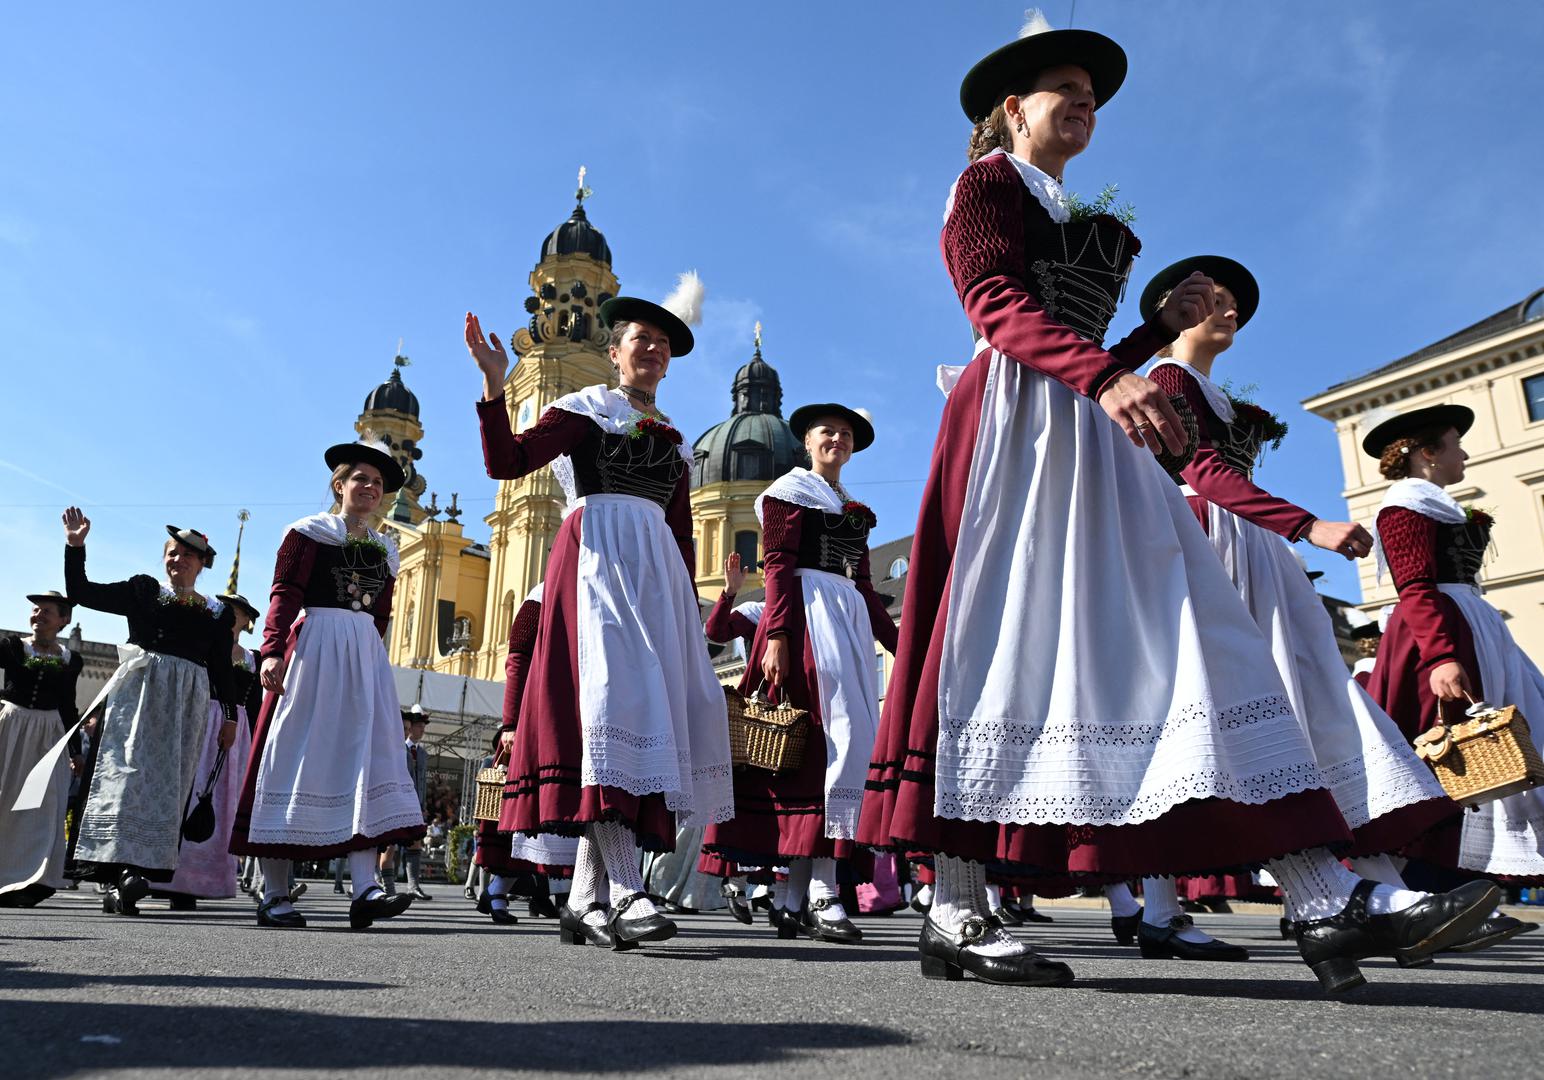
[[355, 604]]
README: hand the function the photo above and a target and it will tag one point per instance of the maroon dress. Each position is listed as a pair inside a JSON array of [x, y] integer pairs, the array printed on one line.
[[544, 793], [1426, 630], [781, 816], [993, 244]]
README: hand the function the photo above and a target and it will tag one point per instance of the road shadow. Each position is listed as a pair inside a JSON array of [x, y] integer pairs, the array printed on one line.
[[1517, 998], [23, 976], [114, 1036]]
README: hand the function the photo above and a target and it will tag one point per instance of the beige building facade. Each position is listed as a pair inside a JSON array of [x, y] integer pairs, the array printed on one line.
[[1496, 368]]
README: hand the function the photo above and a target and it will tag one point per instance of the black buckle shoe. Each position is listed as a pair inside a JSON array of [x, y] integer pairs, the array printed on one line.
[[1125, 927], [841, 931], [739, 909], [1032, 915], [363, 913], [417, 893], [1332, 947], [785, 922], [1164, 943], [949, 956], [290, 920], [573, 930], [500, 915], [1005, 917], [634, 931]]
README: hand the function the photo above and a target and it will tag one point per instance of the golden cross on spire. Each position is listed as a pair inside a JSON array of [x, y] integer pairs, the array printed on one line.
[[583, 193], [758, 335]]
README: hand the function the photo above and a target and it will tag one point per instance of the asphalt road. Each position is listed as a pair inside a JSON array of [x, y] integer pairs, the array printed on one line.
[[443, 992]]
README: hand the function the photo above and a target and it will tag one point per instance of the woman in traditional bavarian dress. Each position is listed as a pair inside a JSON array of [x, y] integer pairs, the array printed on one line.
[[622, 734], [814, 646], [1058, 703], [1386, 794], [37, 706], [327, 775], [1446, 645], [206, 868], [155, 713], [519, 865]]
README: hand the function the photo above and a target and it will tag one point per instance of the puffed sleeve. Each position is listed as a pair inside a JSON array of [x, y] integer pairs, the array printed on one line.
[[508, 456], [885, 630], [1214, 480], [983, 248], [522, 645], [1410, 545], [291, 573], [782, 524]]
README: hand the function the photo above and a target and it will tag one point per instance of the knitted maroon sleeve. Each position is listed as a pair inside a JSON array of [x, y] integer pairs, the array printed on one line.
[[1410, 545]]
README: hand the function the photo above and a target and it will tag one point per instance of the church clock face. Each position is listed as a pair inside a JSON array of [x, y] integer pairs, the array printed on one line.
[[525, 415]]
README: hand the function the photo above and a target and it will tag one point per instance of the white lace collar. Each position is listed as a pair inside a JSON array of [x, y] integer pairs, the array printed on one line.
[[1215, 396], [1042, 184], [213, 604], [332, 529], [613, 413], [804, 488], [1421, 496], [63, 657]]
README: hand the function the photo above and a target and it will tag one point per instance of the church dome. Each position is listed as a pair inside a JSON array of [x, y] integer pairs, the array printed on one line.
[[577, 236], [755, 443], [393, 395]]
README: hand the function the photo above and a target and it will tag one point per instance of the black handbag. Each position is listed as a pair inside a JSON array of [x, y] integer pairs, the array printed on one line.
[[198, 826]]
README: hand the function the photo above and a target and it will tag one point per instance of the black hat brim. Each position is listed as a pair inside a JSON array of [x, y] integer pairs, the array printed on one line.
[[1366, 630], [1432, 417], [241, 603], [355, 453], [805, 415], [200, 546], [51, 598], [1221, 269], [1012, 68], [632, 309]]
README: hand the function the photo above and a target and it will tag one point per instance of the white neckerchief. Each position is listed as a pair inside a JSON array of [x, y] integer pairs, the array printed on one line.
[[332, 529], [802, 488], [63, 657], [1215, 396], [1045, 187], [612, 412], [1426, 499], [213, 604], [534, 596], [751, 610]]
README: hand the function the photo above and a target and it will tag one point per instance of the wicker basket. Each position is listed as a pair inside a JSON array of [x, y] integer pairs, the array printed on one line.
[[1486, 757], [490, 791], [765, 734]]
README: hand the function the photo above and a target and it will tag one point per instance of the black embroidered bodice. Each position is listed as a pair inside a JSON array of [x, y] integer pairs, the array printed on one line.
[[835, 543], [350, 576], [646, 466], [1461, 550], [38, 682], [1078, 269], [1239, 444]]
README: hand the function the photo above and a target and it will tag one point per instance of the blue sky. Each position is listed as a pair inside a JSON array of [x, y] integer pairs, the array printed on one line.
[[215, 224]]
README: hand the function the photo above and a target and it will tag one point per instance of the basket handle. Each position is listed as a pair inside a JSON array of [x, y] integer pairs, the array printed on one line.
[[501, 755], [1477, 708], [761, 686]]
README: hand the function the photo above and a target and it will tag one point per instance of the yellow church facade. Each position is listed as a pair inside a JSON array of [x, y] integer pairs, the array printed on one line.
[[1496, 368]]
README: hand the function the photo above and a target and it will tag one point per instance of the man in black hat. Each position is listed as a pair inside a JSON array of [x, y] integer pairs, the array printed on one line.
[[414, 722]]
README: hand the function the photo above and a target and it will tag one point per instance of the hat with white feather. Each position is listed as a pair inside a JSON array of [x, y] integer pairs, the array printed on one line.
[[679, 312], [1012, 69]]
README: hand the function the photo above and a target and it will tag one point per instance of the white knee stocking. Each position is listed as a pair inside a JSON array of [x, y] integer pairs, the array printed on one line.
[[498, 892], [276, 885], [1122, 903], [1160, 903], [959, 893], [823, 887], [589, 881], [1315, 885], [361, 872], [1382, 869], [797, 887], [619, 849]]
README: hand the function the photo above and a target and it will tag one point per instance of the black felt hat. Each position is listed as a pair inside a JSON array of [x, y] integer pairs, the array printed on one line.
[[805, 415], [1221, 269], [633, 309], [195, 540], [53, 596], [236, 600], [1433, 417], [368, 453], [1012, 68]]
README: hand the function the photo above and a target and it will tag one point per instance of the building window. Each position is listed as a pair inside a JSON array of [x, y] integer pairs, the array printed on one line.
[[1533, 394], [745, 543], [897, 568], [1534, 308], [879, 671]]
